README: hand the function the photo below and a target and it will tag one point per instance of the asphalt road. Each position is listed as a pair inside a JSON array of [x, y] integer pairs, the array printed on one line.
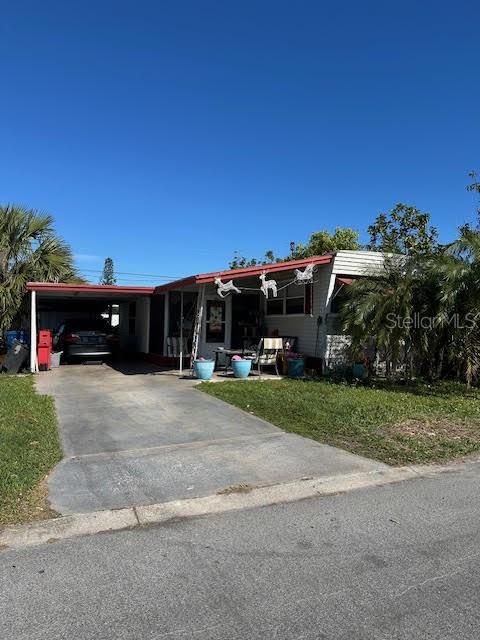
[[400, 561]]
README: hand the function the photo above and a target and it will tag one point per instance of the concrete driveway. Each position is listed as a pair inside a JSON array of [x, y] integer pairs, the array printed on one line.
[[135, 436]]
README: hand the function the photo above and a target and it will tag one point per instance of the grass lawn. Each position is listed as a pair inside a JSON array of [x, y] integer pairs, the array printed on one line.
[[29, 448], [396, 425]]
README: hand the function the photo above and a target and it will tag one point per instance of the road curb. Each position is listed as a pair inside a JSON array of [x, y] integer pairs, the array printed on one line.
[[230, 499]]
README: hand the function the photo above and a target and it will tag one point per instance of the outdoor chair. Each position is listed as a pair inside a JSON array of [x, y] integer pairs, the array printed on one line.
[[174, 346], [267, 354]]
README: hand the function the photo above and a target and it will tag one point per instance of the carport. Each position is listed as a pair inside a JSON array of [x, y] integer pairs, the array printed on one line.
[[52, 303]]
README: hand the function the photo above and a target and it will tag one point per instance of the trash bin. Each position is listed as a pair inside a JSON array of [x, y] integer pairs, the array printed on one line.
[[15, 358], [44, 349], [16, 334]]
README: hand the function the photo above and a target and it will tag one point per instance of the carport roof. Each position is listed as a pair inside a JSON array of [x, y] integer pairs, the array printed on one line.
[[276, 267], [104, 290]]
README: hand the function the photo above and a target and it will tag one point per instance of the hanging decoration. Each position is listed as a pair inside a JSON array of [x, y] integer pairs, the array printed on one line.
[[224, 288], [301, 278], [304, 277], [267, 285]]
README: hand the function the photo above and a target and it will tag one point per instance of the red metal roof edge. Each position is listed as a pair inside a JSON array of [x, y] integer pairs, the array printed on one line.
[[202, 278], [85, 288], [176, 284], [245, 272]]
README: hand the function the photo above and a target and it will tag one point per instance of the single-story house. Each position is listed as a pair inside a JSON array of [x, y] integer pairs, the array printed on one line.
[[199, 314]]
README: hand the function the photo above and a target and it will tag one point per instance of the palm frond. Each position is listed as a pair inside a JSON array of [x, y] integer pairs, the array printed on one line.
[[29, 250]]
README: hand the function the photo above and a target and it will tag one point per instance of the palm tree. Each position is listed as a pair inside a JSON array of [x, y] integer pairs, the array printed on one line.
[[459, 271], [29, 251], [383, 306], [439, 294]]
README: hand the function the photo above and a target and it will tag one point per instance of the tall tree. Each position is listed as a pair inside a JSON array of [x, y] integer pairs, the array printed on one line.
[[320, 242], [405, 229], [239, 262], [30, 250], [474, 187], [108, 275]]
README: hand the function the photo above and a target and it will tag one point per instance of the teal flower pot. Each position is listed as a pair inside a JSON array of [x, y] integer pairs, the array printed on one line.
[[204, 369], [241, 368], [296, 368], [360, 371]]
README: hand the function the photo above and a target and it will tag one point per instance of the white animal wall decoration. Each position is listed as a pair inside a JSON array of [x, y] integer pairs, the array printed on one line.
[[224, 288], [304, 277], [267, 285]]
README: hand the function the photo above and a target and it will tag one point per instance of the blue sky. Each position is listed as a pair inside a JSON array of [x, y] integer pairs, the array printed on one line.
[[169, 134]]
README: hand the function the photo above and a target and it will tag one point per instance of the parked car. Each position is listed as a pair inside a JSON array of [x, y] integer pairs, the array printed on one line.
[[85, 339]]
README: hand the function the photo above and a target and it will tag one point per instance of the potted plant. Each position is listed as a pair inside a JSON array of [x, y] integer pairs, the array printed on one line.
[[360, 364], [241, 366], [295, 365], [203, 368]]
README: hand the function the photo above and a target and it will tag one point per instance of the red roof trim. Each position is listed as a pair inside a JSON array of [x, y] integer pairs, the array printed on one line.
[[62, 287], [342, 280], [246, 272], [176, 284]]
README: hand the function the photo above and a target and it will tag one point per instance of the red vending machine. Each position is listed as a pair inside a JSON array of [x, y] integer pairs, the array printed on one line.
[[44, 349]]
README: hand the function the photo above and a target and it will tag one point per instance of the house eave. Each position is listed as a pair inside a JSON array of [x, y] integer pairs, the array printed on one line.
[[246, 272]]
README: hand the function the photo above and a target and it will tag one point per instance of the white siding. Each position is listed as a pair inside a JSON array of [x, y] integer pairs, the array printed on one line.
[[306, 328], [336, 350], [357, 263]]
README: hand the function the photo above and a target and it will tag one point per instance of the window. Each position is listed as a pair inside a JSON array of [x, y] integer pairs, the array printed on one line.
[[294, 305], [293, 300], [275, 307]]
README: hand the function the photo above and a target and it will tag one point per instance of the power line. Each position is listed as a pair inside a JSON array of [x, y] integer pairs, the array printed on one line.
[[129, 273], [120, 279], [138, 281]]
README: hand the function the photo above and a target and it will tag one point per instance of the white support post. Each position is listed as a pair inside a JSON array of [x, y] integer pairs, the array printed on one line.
[[181, 333], [33, 332], [166, 320]]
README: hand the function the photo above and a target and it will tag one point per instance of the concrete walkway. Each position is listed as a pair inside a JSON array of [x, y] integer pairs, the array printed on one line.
[[136, 436]]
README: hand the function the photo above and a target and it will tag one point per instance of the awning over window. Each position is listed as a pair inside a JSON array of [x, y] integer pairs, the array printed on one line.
[[343, 281]]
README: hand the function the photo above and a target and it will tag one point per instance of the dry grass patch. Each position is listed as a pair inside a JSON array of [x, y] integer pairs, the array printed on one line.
[[33, 505], [435, 428]]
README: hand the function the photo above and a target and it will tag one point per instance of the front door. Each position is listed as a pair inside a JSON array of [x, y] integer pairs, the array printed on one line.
[[217, 316]]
